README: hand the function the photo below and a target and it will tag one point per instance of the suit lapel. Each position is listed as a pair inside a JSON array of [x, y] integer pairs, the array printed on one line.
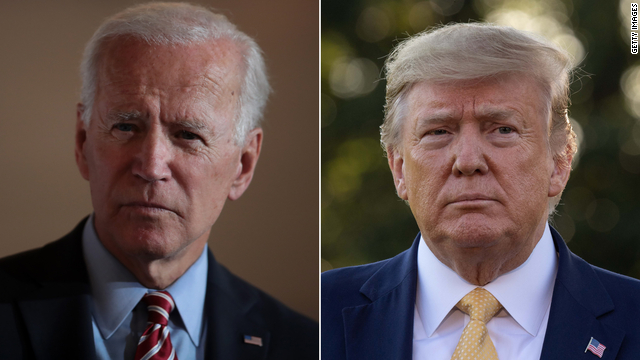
[[55, 304], [229, 308], [579, 299], [373, 331], [59, 325]]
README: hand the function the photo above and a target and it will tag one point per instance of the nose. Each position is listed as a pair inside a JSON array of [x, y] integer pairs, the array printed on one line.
[[469, 154], [153, 157]]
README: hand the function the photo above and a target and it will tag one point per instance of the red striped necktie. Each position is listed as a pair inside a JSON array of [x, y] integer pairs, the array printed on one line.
[[155, 342]]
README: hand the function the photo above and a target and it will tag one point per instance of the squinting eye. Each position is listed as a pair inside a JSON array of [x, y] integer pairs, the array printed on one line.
[[505, 130], [438, 132], [188, 135], [124, 127]]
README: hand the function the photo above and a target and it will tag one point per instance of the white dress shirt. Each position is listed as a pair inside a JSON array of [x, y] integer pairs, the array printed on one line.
[[517, 331]]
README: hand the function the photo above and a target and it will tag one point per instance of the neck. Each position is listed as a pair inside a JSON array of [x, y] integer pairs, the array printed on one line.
[[480, 266], [161, 273]]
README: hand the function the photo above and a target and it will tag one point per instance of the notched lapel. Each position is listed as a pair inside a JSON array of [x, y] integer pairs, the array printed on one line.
[[579, 299], [59, 327], [225, 335], [571, 327], [52, 294], [383, 329], [229, 307]]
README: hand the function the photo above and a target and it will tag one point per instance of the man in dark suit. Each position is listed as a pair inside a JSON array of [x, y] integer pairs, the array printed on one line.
[[168, 129], [480, 147]]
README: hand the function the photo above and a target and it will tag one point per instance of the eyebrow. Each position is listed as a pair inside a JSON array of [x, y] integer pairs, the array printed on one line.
[[193, 124], [494, 113], [483, 113], [124, 115], [437, 117]]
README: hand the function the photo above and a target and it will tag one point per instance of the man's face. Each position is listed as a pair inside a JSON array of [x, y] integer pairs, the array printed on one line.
[[475, 167], [159, 152]]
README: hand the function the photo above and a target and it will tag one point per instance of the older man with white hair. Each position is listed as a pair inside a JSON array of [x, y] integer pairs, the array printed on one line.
[[480, 147], [167, 130]]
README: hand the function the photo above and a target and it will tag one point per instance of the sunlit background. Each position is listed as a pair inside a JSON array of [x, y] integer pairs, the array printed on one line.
[[363, 220]]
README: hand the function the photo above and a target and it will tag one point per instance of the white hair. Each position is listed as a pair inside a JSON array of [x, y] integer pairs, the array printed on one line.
[[462, 52], [181, 24]]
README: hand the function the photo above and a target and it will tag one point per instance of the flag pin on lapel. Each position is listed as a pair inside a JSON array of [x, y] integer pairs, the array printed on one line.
[[253, 340], [595, 347]]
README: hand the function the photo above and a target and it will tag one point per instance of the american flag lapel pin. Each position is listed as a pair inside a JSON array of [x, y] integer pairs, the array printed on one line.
[[595, 347], [253, 340]]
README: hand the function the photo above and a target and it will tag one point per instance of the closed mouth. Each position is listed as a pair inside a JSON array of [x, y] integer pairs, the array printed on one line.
[[148, 206], [471, 198]]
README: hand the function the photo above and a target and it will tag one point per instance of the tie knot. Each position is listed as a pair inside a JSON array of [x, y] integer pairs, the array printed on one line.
[[159, 305], [479, 304]]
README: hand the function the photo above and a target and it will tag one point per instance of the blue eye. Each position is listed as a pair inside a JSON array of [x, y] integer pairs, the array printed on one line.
[[505, 130], [124, 127]]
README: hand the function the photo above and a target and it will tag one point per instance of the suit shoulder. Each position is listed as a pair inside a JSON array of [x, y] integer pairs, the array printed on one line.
[[617, 278], [57, 261], [293, 335], [345, 283], [624, 292], [271, 306], [352, 273], [620, 287]]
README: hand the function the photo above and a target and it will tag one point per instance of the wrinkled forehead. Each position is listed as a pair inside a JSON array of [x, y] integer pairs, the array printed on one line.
[[215, 66], [496, 97]]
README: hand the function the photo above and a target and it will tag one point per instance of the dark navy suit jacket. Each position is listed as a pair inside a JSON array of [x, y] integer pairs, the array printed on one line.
[[45, 311], [367, 311]]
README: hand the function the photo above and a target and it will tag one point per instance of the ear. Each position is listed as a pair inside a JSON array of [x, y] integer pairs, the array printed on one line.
[[81, 139], [246, 167], [396, 164], [560, 175]]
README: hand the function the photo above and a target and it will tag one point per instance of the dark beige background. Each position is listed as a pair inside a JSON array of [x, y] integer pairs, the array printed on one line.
[[268, 237]]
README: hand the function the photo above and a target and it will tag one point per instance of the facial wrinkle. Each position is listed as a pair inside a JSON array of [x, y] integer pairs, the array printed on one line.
[[214, 83]]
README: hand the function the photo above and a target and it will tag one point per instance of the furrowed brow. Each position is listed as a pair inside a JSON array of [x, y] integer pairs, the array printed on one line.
[[437, 117]]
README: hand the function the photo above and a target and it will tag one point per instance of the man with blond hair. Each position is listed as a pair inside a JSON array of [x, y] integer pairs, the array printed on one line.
[[167, 130], [480, 147]]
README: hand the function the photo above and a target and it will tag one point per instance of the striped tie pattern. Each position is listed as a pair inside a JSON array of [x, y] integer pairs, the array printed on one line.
[[475, 343], [155, 342]]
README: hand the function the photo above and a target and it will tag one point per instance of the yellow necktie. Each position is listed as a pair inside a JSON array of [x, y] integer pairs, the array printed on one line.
[[475, 343]]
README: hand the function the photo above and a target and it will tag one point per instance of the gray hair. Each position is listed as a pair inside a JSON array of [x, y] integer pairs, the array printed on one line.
[[475, 51], [181, 24]]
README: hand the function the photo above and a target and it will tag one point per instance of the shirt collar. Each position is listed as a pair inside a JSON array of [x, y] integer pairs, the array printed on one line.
[[116, 291], [524, 292]]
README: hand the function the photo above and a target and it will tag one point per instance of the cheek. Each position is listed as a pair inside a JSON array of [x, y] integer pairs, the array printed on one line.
[[102, 163], [207, 193], [208, 182], [426, 174], [527, 182]]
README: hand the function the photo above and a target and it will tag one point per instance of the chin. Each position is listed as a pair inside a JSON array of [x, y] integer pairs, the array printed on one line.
[[475, 231], [153, 245]]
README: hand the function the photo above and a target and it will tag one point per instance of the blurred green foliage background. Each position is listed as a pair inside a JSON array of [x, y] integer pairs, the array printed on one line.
[[362, 218]]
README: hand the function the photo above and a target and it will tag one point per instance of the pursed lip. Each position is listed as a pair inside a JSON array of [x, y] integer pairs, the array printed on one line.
[[462, 198], [149, 205]]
